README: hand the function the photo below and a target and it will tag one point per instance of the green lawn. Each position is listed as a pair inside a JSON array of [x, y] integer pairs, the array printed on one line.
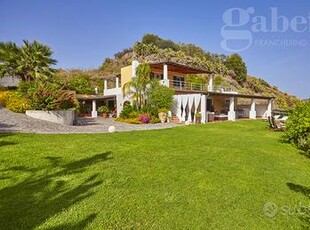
[[216, 176]]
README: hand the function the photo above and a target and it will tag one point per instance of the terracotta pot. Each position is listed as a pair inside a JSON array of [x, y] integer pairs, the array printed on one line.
[[104, 115], [162, 117], [198, 120]]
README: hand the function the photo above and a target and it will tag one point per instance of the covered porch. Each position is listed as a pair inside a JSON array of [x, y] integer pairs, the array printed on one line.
[[213, 106], [90, 103]]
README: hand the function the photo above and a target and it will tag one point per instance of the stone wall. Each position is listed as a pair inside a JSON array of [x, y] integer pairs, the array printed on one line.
[[57, 116], [9, 81]]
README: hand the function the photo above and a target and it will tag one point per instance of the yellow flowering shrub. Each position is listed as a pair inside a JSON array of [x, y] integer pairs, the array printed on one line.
[[13, 101], [4, 97]]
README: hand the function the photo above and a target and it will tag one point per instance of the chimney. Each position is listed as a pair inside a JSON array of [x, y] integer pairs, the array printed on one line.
[[211, 83], [134, 66]]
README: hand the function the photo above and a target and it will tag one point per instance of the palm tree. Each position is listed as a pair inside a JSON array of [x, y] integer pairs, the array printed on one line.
[[137, 87], [30, 61]]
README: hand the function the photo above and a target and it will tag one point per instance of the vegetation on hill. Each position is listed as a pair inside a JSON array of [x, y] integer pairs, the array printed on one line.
[[236, 64], [230, 71], [32, 61], [81, 81]]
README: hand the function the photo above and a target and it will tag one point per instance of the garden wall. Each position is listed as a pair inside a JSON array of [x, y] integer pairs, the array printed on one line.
[[57, 116]]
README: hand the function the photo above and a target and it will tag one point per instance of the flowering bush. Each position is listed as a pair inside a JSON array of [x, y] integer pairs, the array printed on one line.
[[4, 97], [144, 118], [129, 120], [13, 101]]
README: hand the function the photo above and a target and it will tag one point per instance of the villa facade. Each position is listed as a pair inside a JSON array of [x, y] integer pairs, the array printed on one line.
[[213, 103]]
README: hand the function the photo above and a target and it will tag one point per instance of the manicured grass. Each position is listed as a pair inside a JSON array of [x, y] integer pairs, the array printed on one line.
[[216, 176]]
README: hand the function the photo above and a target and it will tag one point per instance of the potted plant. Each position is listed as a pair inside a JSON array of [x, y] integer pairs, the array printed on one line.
[[104, 110], [198, 118], [162, 115]]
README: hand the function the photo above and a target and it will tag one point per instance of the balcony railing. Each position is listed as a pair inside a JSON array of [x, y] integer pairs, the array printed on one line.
[[188, 86], [182, 85], [223, 89], [111, 88]]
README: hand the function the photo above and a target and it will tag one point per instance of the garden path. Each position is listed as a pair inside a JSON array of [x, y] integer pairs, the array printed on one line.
[[14, 122]]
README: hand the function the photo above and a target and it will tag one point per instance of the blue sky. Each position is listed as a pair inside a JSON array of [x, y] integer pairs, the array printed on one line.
[[83, 33]]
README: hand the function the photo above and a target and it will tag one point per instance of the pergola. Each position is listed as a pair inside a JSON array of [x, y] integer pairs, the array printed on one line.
[[93, 99], [178, 68]]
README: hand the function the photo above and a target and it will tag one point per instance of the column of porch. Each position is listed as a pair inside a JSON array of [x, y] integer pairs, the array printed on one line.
[[268, 112], [203, 109], [94, 112], [105, 85], [211, 83], [165, 74], [252, 114], [231, 112]]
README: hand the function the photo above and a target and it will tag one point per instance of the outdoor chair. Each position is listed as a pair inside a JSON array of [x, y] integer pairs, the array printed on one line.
[[283, 118], [277, 124], [271, 126]]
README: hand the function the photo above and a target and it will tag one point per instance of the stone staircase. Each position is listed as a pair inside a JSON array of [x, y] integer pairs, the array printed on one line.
[[175, 119]]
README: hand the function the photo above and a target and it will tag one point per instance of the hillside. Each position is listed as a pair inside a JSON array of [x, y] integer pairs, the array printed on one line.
[[153, 48]]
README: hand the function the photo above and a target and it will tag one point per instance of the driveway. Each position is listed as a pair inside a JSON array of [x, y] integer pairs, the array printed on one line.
[[15, 122]]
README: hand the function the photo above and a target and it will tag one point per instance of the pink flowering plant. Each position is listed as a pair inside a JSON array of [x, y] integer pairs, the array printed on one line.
[[145, 118]]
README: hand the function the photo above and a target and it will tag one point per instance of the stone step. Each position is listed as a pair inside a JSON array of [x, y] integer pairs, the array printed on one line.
[[175, 119]]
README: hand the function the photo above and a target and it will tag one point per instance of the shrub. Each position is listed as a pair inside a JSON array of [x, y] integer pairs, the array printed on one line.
[[14, 101], [4, 97], [81, 84], [103, 109], [47, 96], [126, 111], [163, 110], [235, 63], [25, 86], [298, 126], [17, 103], [154, 120], [144, 118], [160, 96], [198, 115], [129, 120], [150, 110]]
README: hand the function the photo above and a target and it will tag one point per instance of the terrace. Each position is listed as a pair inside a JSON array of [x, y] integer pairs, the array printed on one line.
[[171, 74]]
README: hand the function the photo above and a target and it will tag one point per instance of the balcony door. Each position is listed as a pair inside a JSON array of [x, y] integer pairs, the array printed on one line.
[[178, 82], [157, 76]]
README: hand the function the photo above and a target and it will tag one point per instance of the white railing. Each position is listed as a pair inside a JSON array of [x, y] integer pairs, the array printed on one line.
[[177, 85], [182, 85], [223, 89], [113, 91]]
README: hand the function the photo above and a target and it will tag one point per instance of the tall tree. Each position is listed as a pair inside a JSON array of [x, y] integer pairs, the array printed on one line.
[[235, 63], [137, 87], [29, 61]]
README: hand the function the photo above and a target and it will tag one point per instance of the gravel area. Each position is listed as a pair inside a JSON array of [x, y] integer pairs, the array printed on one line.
[[15, 122]]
